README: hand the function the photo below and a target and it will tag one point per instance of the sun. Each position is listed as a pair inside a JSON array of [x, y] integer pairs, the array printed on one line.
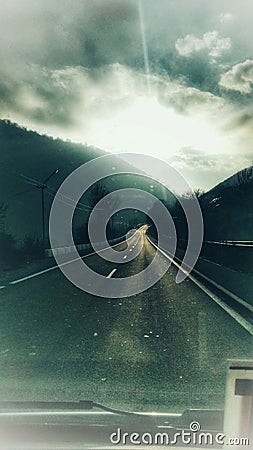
[[146, 126]]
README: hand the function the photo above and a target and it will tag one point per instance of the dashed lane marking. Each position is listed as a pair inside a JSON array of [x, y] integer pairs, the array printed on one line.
[[111, 273]]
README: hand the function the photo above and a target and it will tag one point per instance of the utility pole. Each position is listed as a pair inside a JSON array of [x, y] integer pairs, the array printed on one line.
[[43, 186], [43, 212]]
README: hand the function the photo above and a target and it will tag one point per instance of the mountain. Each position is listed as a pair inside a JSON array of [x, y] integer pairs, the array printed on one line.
[[228, 208], [28, 155], [240, 178], [25, 153]]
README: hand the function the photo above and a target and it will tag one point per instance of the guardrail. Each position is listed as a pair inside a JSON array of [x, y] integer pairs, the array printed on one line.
[[237, 285], [225, 242], [236, 255], [233, 243], [49, 252]]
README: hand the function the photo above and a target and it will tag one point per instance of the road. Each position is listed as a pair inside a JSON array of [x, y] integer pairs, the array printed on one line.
[[164, 349]]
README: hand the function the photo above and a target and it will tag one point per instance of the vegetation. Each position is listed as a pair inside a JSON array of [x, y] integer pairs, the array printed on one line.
[[14, 253]]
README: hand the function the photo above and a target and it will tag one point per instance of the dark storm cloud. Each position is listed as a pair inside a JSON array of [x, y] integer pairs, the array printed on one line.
[[8, 91], [77, 32], [47, 47], [195, 71], [242, 119], [40, 97]]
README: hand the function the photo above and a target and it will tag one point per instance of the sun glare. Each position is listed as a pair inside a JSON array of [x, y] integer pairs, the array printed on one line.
[[148, 127]]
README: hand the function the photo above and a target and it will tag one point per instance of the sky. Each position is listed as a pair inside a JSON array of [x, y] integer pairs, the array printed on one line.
[[170, 78]]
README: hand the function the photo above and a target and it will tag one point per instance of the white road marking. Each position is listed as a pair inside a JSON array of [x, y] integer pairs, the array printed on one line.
[[226, 291], [221, 288], [111, 273], [239, 319], [33, 275], [28, 277]]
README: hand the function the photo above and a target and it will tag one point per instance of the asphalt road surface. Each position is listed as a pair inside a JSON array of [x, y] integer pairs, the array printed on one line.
[[165, 349]]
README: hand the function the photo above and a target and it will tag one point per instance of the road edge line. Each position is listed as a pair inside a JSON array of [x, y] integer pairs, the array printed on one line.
[[237, 317]]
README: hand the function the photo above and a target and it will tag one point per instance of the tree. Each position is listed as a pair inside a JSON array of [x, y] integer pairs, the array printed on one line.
[[3, 212], [8, 252], [32, 249], [190, 194], [97, 193]]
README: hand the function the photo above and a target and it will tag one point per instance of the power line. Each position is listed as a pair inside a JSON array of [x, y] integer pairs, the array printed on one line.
[[42, 186], [52, 194], [87, 207], [37, 183], [19, 193], [30, 180]]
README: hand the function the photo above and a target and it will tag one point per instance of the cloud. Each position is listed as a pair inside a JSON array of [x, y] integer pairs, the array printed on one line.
[[43, 96], [239, 78], [212, 42], [54, 41], [243, 120], [226, 18], [186, 100], [73, 97], [206, 170], [188, 157], [191, 158], [74, 32], [72, 68], [70, 96]]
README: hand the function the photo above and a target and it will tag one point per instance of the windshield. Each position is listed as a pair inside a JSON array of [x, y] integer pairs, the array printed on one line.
[[126, 201]]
